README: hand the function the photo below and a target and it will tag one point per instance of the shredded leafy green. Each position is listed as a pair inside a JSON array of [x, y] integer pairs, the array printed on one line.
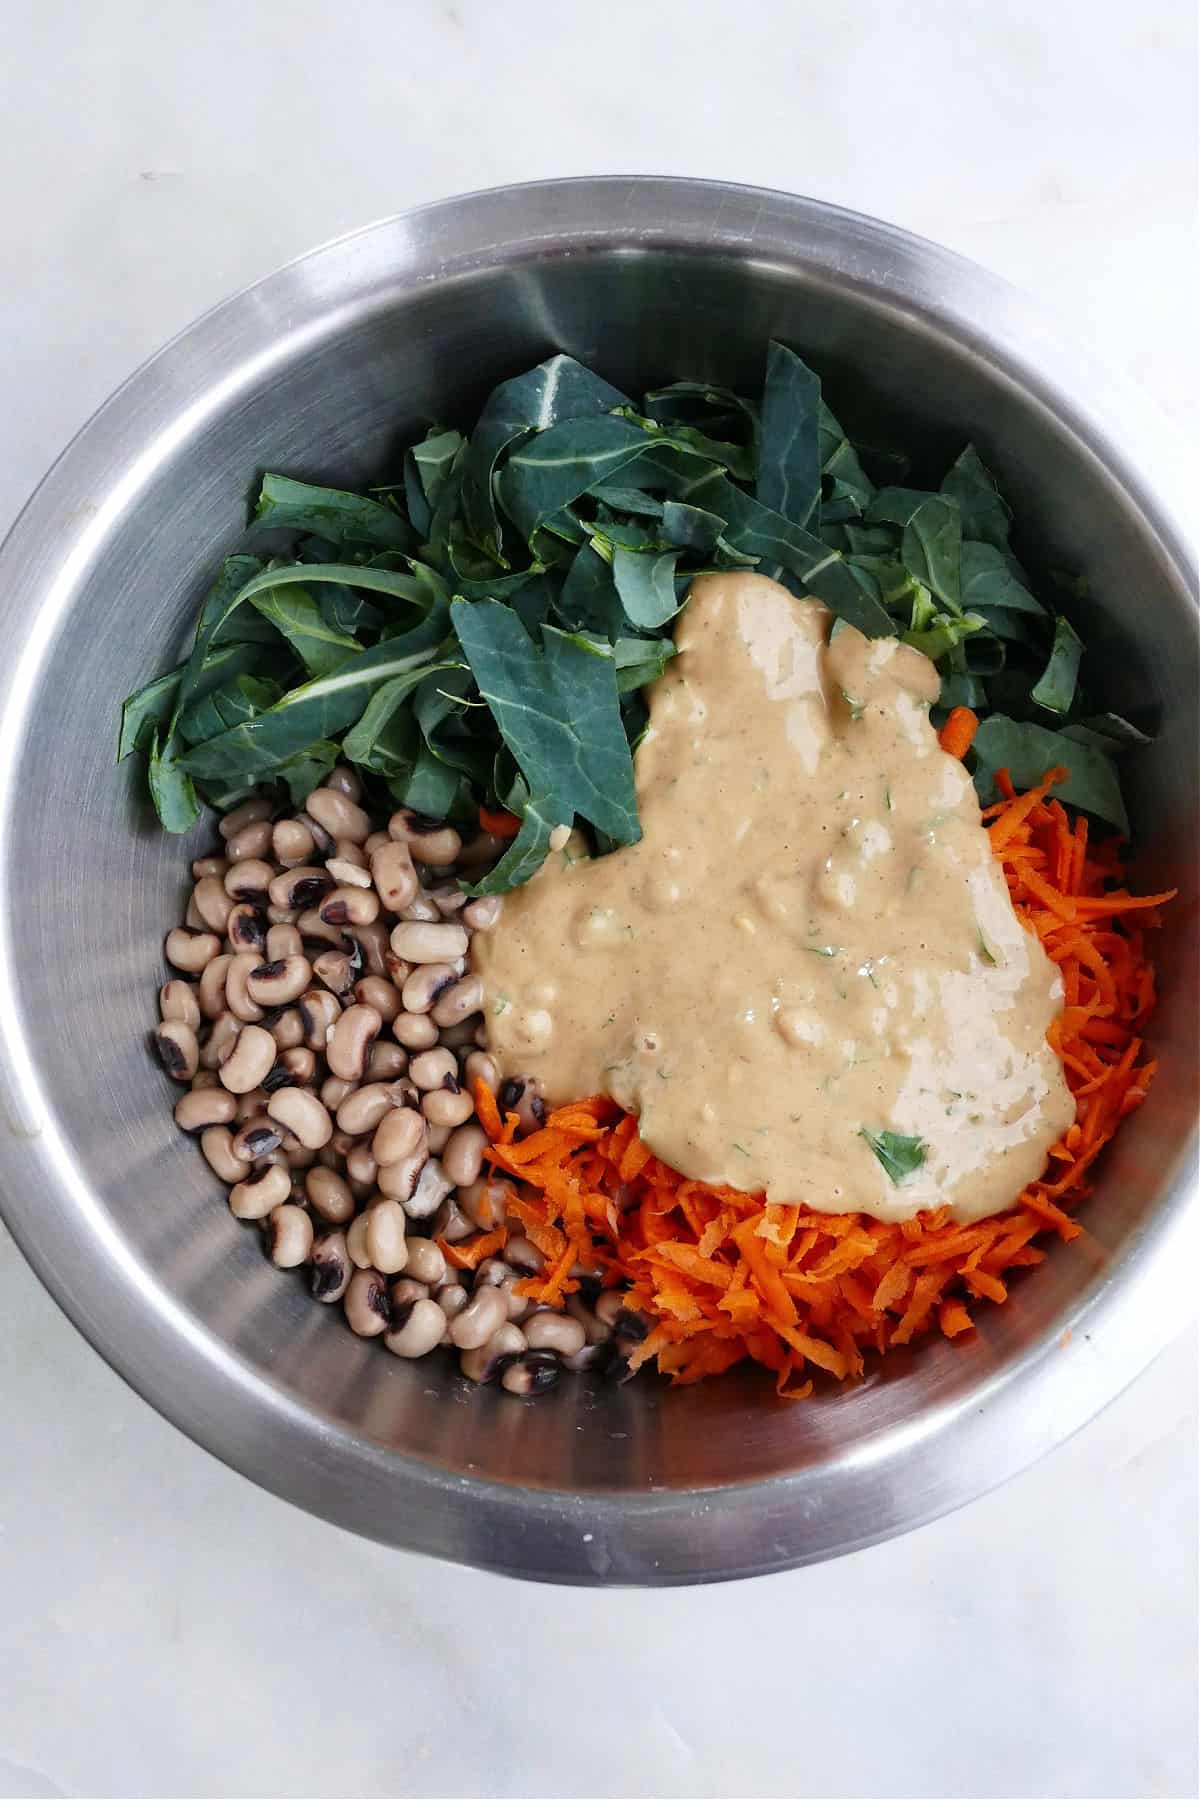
[[482, 627], [899, 1156]]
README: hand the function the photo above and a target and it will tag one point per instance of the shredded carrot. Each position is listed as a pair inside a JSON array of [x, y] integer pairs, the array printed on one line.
[[958, 733], [723, 1276], [499, 823]]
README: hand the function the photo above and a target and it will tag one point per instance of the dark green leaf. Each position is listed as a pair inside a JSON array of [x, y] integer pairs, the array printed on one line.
[[588, 599], [1108, 731], [551, 470], [646, 585], [341, 517], [299, 620], [558, 713], [985, 514], [899, 1156], [304, 772], [171, 788], [1028, 750], [690, 527], [241, 698], [1056, 688], [527, 852], [640, 661], [962, 690], [848, 485], [931, 549], [146, 709], [789, 461], [943, 632], [430, 787], [559, 389], [988, 580]]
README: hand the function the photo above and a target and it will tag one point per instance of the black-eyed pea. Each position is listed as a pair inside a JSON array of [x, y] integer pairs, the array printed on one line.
[[237, 991], [209, 865], [251, 844], [477, 1322], [448, 897], [431, 841], [350, 1041], [387, 1244], [400, 1135], [251, 1104], [212, 903], [344, 780], [283, 941], [534, 1373], [251, 1058], [350, 906], [329, 1195], [489, 1361], [248, 813], [338, 815], [202, 1107], [280, 983], [335, 970], [394, 876], [330, 1268], [554, 1331], [210, 989], [453, 1298], [416, 1329], [362, 1109], [292, 843], [288, 1235], [425, 986], [447, 1108], [362, 1171], [356, 1242], [260, 1192], [366, 1306], [482, 914], [191, 951], [372, 943], [178, 1004], [318, 1010], [414, 1031], [418, 941], [300, 1111], [205, 1078], [249, 880], [299, 887], [479, 1066], [450, 1223], [485, 1201], [246, 927], [425, 1262], [191, 917], [431, 1068], [379, 992], [398, 1180], [256, 1137], [462, 1157], [288, 1031], [457, 1003], [217, 1146], [421, 910], [431, 1189], [341, 1143], [375, 842], [334, 1090], [387, 1062]]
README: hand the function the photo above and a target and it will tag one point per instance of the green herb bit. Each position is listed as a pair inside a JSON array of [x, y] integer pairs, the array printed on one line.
[[900, 1156]]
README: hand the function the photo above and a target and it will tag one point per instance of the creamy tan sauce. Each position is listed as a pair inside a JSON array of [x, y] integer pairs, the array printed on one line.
[[812, 940]]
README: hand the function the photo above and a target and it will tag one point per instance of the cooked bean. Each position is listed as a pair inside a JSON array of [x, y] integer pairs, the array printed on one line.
[[249, 1061], [399, 1180], [356, 1242], [329, 1196], [292, 843], [372, 944], [303, 1115], [436, 1136], [480, 852], [289, 1236], [395, 878], [350, 906], [341, 1143], [425, 1261], [288, 1031], [238, 997], [362, 1171], [447, 1108], [485, 1201], [249, 880], [191, 917], [301, 886], [490, 1360], [330, 1268], [494, 1272], [375, 842], [461, 1037], [318, 1011], [248, 813], [482, 914], [283, 941], [212, 902], [217, 1145], [523, 1095], [399, 1135], [350, 1041], [344, 780], [294, 1067], [378, 992], [431, 841], [421, 943], [432, 1068], [421, 910], [320, 836], [204, 1107], [223, 1034], [479, 1066], [476, 1323], [208, 865], [210, 990], [259, 1193], [333, 1091], [386, 1242], [334, 969], [481, 1035], [256, 1138], [450, 1223], [282, 915], [554, 1331], [418, 1330], [462, 1158], [448, 898], [457, 1003], [279, 983], [348, 874], [361, 1109], [415, 1031], [252, 1104], [453, 1299], [204, 1078], [534, 1373], [338, 815], [523, 1255], [191, 951], [595, 1330], [314, 932], [177, 1002], [298, 1158], [251, 844], [401, 1295], [366, 1303], [425, 985], [246, 927]]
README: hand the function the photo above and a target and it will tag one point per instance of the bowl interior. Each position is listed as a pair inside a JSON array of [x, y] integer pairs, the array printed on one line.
[[91, 885]]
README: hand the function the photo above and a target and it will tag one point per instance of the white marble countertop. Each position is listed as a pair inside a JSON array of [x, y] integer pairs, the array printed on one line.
[[166, 1627]]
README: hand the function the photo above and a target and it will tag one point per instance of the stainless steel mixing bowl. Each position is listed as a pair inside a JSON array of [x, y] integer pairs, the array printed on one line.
[[322, 370]]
